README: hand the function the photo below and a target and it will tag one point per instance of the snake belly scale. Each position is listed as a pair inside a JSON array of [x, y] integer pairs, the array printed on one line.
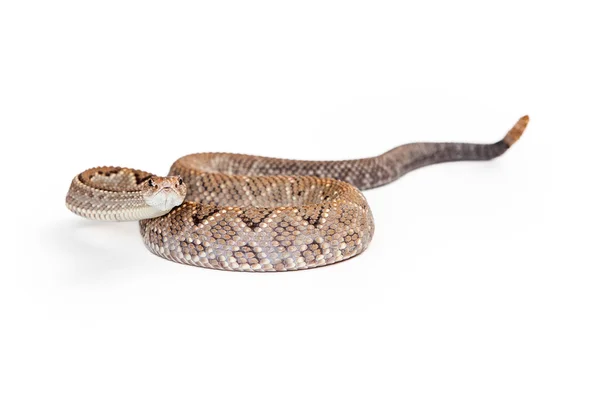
[[248, 213]]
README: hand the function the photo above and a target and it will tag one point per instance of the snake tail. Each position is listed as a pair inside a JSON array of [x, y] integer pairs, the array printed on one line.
[[397, 162]]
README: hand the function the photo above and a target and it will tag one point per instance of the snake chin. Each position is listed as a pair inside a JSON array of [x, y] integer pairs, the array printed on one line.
[[164, 200]]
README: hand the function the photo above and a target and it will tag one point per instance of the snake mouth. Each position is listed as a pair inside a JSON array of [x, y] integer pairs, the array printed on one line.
[[164, 199]]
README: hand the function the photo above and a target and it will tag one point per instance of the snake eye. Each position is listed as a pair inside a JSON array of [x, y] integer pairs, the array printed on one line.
[[151, 183], [181, 181]]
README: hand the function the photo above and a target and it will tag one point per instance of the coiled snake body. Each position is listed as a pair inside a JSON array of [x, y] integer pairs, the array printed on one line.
[[248, 213]]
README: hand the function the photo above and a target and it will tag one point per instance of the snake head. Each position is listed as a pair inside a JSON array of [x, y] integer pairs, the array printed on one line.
[[164, 193]]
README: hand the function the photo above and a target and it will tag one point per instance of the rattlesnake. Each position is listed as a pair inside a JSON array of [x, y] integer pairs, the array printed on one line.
[[249, 213]]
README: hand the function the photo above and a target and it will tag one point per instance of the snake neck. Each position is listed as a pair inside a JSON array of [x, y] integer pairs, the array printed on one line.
[[102, 204]]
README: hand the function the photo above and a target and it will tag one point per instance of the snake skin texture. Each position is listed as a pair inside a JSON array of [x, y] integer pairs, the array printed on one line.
[[249, 213]]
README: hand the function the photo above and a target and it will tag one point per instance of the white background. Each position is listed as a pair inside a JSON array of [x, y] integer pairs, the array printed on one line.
[[482, 281]]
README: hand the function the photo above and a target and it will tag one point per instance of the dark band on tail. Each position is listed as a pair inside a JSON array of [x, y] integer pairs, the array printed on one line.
[[498, 148]]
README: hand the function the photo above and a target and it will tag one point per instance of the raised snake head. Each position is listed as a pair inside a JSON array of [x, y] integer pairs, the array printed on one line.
[[164, 193]]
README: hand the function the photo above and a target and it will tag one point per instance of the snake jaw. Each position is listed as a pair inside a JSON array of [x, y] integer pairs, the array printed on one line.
[[164, 200]]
